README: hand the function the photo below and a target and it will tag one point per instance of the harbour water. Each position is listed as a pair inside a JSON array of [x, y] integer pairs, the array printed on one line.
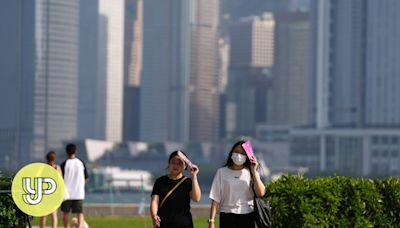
[[130, 198]]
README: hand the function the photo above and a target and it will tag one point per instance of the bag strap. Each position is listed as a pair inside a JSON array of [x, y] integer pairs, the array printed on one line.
[[173, 189]]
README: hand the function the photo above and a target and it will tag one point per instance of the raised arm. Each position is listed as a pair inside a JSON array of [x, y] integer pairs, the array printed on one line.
[[259, 186], [195, 194]]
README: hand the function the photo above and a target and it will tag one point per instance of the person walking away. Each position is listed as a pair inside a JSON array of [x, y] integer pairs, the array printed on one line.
[[75, 176], [51, 160]]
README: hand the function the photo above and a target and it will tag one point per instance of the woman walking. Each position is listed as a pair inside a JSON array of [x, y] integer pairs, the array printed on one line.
[[171, 195], [231, 190]]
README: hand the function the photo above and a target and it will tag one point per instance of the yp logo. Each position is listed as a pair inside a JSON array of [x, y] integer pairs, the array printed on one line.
[[38, 189], [34, 195]]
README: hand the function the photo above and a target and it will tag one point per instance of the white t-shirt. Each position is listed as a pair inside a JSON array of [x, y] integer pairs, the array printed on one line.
[[231, 189], [74, 173]]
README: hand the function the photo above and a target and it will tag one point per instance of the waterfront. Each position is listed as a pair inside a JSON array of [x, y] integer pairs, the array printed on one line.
[[130, 198]]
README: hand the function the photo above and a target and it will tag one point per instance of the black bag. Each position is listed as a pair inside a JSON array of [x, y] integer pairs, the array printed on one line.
[[262, 211]]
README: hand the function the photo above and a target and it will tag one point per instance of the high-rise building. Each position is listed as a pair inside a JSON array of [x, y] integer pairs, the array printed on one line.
[[179, 100], [111, 32], [252, 42], [132, 68], [101, 71], [39, 68], [90, 125], [291, 84], [354, 69], [164, 97], [223, 50], [381, 70], [355, 83], [251, 59], [204, 78]]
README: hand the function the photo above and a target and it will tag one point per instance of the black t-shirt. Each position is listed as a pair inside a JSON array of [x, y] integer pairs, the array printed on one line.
[[175, 212]]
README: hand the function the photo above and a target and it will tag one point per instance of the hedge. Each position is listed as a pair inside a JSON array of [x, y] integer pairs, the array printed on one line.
[[10, 215], [301, 202], [334, 202]]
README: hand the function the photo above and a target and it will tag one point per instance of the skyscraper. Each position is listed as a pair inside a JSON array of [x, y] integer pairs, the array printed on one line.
[[39, 65], [132, 67], [178, 100], [204, 96], [381, 68], [354, 71], [223, 49], [90, 123], [251, 60], [291, 84], [164, 98], [111, 31], [355, 82], [101, 71], [252, 41]]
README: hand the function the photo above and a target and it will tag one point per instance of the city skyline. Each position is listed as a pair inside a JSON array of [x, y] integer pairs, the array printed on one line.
[[203, 72]]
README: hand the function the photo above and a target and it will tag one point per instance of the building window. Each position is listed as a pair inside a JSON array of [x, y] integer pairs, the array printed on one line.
[[375, 140]]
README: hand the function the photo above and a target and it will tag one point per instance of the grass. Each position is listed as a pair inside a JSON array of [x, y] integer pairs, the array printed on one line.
[[121, 222]]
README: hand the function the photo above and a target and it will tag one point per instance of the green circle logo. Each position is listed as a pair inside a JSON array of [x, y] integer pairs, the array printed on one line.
[[38, 189]]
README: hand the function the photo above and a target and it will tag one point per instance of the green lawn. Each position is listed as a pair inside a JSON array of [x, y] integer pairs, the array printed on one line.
[[131, 222]]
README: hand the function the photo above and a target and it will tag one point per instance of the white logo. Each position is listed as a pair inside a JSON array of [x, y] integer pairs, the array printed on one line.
[[34, 195]]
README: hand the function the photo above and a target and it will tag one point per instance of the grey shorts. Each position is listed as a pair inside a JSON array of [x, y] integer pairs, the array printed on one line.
[[76, 206]]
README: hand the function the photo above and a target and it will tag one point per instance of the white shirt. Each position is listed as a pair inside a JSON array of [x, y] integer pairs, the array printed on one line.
[[231, 189], [74, 173]]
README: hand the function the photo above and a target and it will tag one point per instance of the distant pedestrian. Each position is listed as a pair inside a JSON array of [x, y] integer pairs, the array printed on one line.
[[51, 160], [75, 176], [171, 195]]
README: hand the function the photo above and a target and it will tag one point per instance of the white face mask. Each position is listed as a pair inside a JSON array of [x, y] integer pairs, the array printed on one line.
[[238, 159]]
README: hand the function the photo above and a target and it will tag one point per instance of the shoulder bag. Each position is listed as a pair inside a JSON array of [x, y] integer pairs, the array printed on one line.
[[262, 210], [169, 193]]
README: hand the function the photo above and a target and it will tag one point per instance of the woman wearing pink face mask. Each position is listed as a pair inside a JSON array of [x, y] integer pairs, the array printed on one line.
[[231, 190]]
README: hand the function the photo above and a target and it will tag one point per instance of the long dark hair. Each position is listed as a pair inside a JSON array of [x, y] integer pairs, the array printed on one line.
[[229, 161]]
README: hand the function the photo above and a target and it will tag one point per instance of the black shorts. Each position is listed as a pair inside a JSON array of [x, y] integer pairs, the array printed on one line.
[[76, 206]]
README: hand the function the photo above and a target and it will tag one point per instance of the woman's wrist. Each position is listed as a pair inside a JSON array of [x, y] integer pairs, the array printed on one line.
[[211, 220], [255, 174]]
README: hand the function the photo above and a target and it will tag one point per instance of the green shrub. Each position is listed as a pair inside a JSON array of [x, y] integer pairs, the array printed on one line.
[[10, 215], [334, 202]]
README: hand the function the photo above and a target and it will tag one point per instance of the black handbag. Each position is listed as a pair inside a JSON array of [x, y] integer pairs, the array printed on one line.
[[262, 211]]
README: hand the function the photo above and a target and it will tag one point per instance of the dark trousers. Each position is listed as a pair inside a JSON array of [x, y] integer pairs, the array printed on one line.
[[230, 220]]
